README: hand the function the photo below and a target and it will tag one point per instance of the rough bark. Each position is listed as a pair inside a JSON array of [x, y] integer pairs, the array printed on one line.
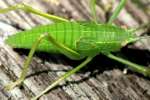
[[99, 81]]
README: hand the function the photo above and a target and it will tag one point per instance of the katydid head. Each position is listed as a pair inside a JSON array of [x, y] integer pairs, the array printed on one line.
[[134, 39]]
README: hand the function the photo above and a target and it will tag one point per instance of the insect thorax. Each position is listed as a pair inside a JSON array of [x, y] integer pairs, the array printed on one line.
[[103, 39]]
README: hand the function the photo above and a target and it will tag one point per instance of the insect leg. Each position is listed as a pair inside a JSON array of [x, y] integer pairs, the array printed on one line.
[[135, 67], [65, 50], [66, 75], [27, 8], [117, 11], [26, 64]]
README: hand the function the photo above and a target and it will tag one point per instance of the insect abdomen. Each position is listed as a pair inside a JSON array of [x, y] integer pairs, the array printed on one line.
[[65, 33]]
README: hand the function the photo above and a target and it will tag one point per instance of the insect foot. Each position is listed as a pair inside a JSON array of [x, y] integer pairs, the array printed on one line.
[[147, 72], [12, 85]]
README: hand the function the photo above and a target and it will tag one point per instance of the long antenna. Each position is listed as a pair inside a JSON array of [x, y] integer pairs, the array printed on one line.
[[144, 26]]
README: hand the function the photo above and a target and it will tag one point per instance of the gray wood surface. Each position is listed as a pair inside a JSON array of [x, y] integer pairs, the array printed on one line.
[[103, 79]]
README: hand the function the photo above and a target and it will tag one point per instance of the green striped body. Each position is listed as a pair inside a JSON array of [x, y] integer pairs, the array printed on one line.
[[84, 38]]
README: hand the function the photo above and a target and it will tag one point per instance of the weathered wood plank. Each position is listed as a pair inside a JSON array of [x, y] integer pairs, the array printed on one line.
[[100, 81]]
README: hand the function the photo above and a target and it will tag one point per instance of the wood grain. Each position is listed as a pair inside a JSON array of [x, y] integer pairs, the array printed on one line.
[[99, 81]]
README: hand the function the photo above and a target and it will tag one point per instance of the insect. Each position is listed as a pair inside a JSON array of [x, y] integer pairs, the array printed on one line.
[[76, 40]]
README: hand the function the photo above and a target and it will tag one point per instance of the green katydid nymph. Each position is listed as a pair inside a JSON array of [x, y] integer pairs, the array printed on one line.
[[76, 40]]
